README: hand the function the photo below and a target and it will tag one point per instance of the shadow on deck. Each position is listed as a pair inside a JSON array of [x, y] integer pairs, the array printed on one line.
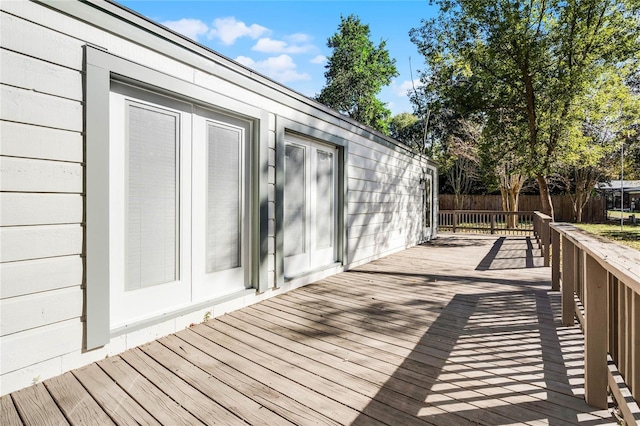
[[463, 330]]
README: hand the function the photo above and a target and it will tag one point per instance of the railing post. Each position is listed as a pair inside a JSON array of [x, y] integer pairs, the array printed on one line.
[[595, 333], [545, 240], [493, 223], [555, 263], [455, 220], [568, 282]]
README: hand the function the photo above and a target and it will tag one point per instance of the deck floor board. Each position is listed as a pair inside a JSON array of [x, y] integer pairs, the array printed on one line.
[[10, 416], [460, 331]]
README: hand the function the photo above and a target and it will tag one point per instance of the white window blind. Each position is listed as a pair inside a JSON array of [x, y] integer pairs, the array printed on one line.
[[294, 200], [324, 199], [152, 197], [224, 197]]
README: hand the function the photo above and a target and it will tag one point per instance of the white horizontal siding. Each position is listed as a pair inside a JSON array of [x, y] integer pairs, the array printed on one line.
[[39, 209], [377, 219], [385, 154], [40, 275], [29, 107], [384, 201], [41, 239], [33, 40], [363, 254], [407, 178], [32, 141], [355, 196], [36, 242], [396, 166], [395, 225], [28, 175], [32, 311], [33, 74], [40, 344], [386, 207], [374, 186]]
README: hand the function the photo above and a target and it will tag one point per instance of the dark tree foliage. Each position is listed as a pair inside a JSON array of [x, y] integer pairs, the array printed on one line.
[[357, 70]]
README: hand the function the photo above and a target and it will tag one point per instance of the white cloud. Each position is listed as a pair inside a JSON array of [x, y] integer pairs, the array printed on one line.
[[298, 38], [402, 88], [280, 68], [267, 45], [320, 59], [191, 28], [228, 30], [246, 61]]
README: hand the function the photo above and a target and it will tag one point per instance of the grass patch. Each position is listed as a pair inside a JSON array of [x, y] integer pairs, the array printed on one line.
[[628, 236], [617, 214]]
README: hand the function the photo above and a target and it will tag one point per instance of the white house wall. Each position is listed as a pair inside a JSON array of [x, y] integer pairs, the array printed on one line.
[[42, 234]]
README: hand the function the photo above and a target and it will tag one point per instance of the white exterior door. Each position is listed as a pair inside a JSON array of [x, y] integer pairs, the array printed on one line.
[[179, 203], [150, 205], [310, 206], [220, 202]]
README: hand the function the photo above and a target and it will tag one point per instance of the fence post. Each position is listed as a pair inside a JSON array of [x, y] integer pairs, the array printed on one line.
[[555, 261], [568, 282], [595, 332]]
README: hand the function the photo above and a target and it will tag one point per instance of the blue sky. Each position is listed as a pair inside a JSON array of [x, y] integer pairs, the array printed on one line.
[[287, 40]]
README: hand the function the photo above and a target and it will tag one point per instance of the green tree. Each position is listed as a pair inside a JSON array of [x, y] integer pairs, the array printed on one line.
[[534, 60], [408, 129], [609, 113], [502, 159], [356, 72]]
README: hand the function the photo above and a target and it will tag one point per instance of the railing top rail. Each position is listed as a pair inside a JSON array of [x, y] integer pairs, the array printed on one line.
[[542, 215], [486, 212], [621, 261]]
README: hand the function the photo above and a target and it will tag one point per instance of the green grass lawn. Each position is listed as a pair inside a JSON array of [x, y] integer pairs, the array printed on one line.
[[616, 214], [629, 235]]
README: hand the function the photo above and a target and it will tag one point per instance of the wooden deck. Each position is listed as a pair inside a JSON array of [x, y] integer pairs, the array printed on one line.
[[463, 330]]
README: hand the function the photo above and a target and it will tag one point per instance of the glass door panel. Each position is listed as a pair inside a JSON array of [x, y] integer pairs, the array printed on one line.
[[220, 205], [310, 208]]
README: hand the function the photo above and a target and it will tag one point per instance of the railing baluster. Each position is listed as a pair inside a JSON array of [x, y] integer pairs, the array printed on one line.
[[568, 282], [634, 374], [624, 330], [628, 361], [555, 269]]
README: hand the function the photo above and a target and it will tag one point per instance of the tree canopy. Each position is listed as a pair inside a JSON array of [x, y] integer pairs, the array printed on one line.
[[357, 70], [528, 67]]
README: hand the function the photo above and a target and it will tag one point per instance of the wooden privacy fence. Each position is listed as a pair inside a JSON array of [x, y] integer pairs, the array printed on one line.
[[594, 212], [601, 287]]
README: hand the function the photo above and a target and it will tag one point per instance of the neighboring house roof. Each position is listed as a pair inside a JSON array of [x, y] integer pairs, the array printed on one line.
[[614, 185]]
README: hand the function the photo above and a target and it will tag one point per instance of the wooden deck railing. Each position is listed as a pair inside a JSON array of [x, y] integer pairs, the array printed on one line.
[[601, 287], [486, 221]]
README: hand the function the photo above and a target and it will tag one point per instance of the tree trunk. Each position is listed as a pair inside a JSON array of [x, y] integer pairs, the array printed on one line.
[[579, 213], [505, 200], [514, 193], [545, 195]]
